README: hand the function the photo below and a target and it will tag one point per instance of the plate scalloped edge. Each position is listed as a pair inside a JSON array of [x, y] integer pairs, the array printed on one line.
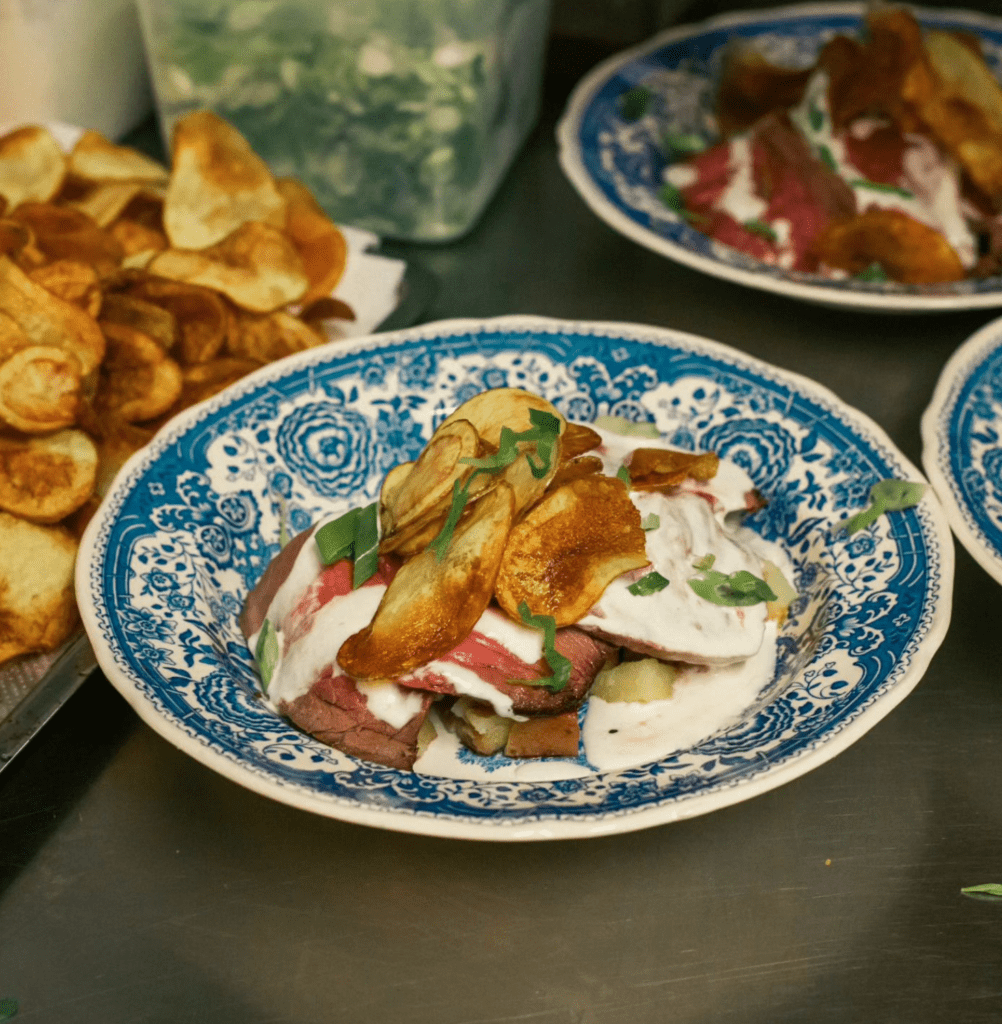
[[532, 826], [818, 291]]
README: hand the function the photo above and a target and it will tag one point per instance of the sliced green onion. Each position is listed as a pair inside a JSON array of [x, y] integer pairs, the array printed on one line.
[[647, 585], [559, 665], [760, 228], [336, 539], [650, 522], [623, 473], [885, 496], [365, 546], [266, 653]]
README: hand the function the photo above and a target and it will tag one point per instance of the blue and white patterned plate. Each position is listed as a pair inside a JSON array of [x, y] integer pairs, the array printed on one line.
[[617, 165], [193, 519], [962, 445]]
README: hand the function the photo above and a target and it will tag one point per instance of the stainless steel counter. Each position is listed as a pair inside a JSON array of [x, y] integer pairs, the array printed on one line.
[[138, 886]]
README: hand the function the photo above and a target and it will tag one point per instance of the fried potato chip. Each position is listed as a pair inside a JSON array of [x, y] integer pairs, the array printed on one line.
[[578, 439], [427, 490], [32, 166], [138, 380], [908, 250], [48, 320], [12, 338], [430, 606], [751, 87], [201, 315], [491, 410], [256, 267], [320, 311], [318, 240], [217, 184], [575, 469], [392, 483], [207, 379], [269, 336], [64, 233], [654, 469], [37, 606], [105, 202], [964, 110], [97, 159], [71, 281], [117, 442], [14, 237], [155, 321], [136, 238], [563, 554], [39, 389], [46, 478]]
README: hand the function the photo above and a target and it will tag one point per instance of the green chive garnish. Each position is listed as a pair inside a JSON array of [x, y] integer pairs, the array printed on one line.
[[266, 653], [885, 496], [647, 585]]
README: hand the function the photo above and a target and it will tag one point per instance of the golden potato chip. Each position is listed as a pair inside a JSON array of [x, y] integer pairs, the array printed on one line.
[[64, 233], [12, 338], [104, 202], [71, 281], [32, 166], [964, 109], [217, 184], [207, 379], [751, 87], [14, 236], [97, 159], [39, 389], [37, 606], [908, 250], [138, 380], [136, 238], [319, 311], [117, 442], [201, 315], [491, 410], [46, 478], [256, 267], [578, 439], [155, 321], [431, 605], [575, 469], [46, 319], [269, 336], [318, 240], [428, 487], [655, 469], [563, 554]]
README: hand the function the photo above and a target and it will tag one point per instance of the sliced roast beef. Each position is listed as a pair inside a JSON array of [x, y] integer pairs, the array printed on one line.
[[256, 606]]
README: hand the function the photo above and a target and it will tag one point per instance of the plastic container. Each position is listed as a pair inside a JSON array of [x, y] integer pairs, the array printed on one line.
[[76, 61], [401, 116]]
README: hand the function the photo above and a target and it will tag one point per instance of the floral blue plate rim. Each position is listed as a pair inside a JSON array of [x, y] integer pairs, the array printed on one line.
[[192, 519], [592, 160], [962, 445]]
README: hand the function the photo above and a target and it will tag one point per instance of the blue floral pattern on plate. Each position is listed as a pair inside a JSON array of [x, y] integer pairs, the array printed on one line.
[[617, 164], [962, 445], [193, 520]]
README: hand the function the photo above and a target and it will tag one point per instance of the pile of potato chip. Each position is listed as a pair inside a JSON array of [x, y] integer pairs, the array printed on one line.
[[128, 293]]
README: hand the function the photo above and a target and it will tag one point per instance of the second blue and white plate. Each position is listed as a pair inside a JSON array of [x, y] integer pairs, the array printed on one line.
[[616, 165], [193, 519]]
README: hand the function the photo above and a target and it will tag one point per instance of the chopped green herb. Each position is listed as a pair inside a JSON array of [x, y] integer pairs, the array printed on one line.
[[365, 547], [825, 155], [8, 1008], [621, 425], [879, 186], [283, 526], [559, 665], [647, 585], [672, 198], [759, 227], [987, 891], [354, 535], [337, 538], [650, 522], [737, 590], [687, 142], [266, 654], [815, 116], [634, 102], [874, 272], [885, 496], [544, 432], [623, 473]]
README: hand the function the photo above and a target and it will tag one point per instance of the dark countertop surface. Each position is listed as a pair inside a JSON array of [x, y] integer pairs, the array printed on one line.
[[137, 885]]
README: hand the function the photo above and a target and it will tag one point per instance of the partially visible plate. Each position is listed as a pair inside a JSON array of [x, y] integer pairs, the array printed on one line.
[[617, 165], [962, 445], [193, 519]]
